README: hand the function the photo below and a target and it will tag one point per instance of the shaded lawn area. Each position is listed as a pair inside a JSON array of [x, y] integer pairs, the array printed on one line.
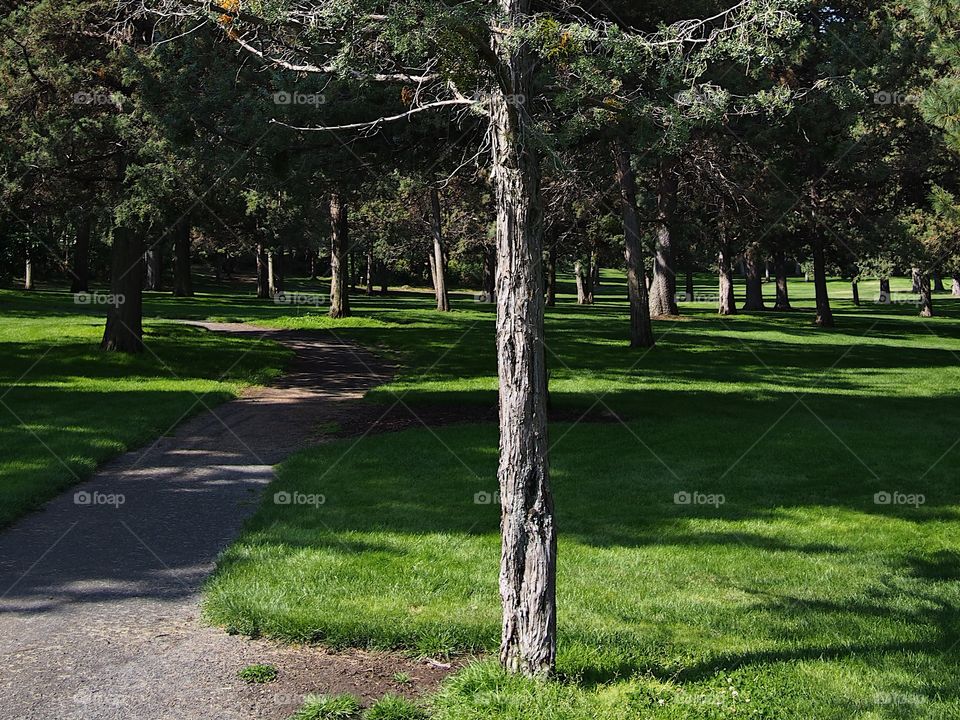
[[797, 597], [65, 406]]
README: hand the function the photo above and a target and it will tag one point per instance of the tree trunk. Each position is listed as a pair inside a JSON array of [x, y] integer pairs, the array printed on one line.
[[81, 258], [154, 262], [855, 286], [263, 272], [728, 301], [754, 283], [915, 280], [280, 268], [938, 283], [271, 273], [956, 285], [438, 262], [370, 270], [595, 270], [780, 271], [182, 278], [885, 298], [583, 295], [641, 329], [312, 262], [339, 244], [588, 279], [689, 291], [926, 297], [124, 328], [824, 313], [528, 567], [28, 272], [552, 276], [663, 290]]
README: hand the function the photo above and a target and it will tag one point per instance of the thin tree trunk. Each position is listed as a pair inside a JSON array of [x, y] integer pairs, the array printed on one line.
[[641, 329], [370, 269], [439, 263], [956, 285], [81, 258], [263, 272], [280, 268], [754, 300], [855, 287], [182, 278], [780, 271], [124, 328], [312, 262], [663, 289], [938, 283], [727, 299], [583, 295], [154, 262], [528, 567], [552, 276], [824, 313], [28, 272], [271, 273], [490, 273], [926, 297], [595, 270], [885, 298], [588, 279], [339, 244]]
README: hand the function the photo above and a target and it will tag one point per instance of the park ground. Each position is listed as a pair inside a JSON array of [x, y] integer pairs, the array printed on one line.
[[757, 518]]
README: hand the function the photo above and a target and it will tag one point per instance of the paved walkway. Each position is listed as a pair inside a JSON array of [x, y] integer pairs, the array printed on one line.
[[99, 601]]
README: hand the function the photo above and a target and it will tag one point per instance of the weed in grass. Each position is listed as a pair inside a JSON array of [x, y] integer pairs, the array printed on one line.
[[394, 707], [258, 673], [402, 678], [328, 707]]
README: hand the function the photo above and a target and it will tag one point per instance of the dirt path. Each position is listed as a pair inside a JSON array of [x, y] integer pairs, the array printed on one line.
[[99, 591]]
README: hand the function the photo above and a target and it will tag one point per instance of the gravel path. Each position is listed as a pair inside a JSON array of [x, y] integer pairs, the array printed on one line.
[[99, 590]]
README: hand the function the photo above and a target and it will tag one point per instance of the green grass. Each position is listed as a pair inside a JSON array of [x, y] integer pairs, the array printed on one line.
[[258, 673], [798, 597], [65, 406], [327, 707]]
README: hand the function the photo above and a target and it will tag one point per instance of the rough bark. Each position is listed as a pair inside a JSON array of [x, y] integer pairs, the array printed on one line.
[[154, 262], [641, 329], [182, 278], [580, 275], [780, 271], [855, 287], [438, 263], [124, 328], [926, 296], [80, 273], [824, 313], [727, 300], [915, 280], [885, 298], [663, 289], [956, 285], [263, 272], [528, 567], [754, 299], [339, 245]]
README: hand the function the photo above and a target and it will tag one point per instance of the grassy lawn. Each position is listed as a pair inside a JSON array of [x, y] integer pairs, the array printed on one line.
[[797, 596], [66, 407]]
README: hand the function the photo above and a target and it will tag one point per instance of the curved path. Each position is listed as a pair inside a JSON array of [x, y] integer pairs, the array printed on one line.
[[99, 601]]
